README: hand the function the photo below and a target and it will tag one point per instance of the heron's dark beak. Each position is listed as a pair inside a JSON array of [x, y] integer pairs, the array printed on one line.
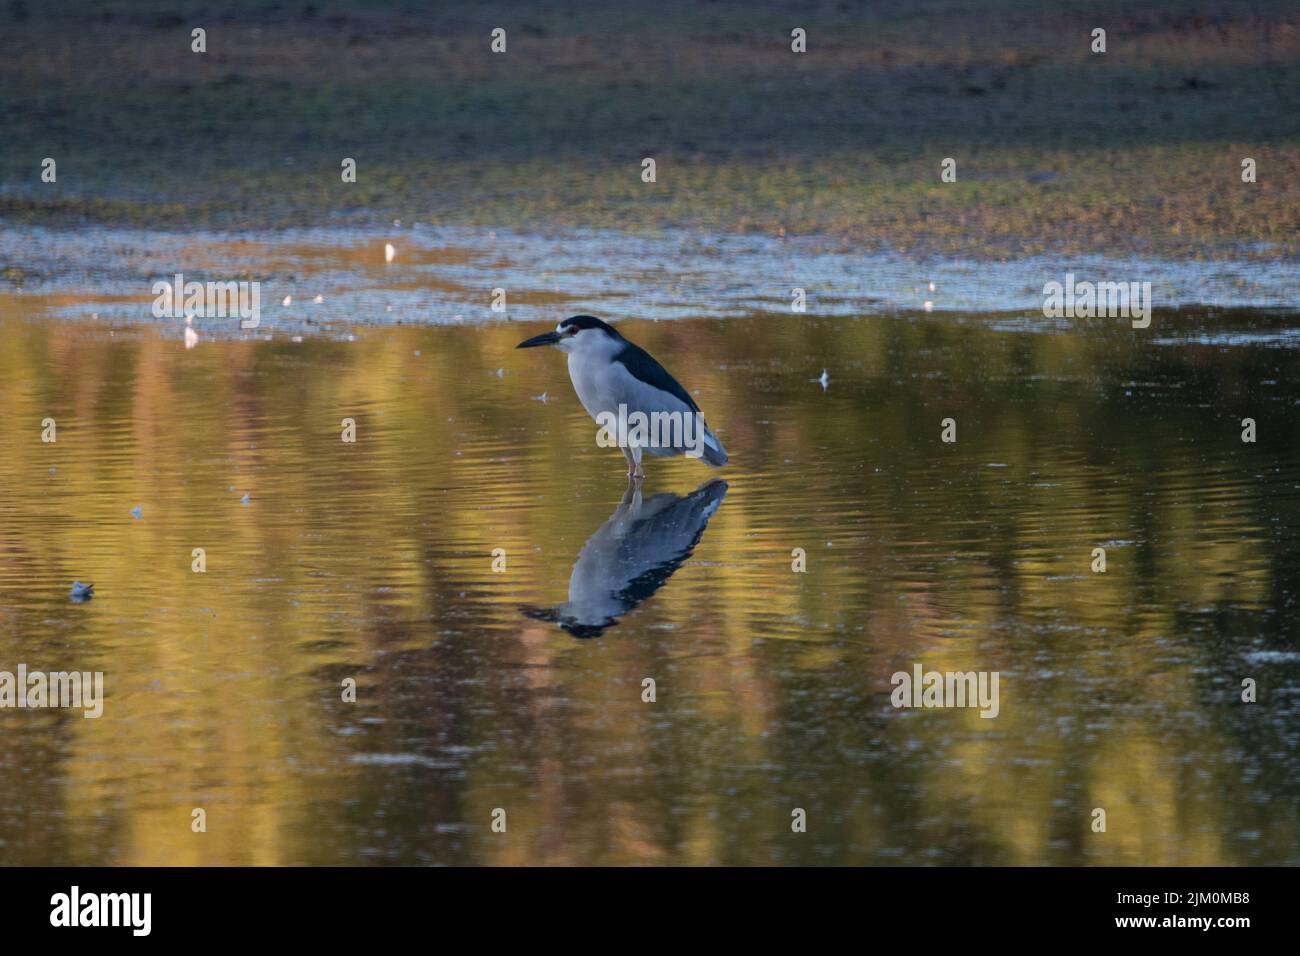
[[546, 338]]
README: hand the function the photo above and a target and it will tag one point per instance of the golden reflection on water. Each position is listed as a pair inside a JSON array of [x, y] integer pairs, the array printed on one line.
[[373, 561]]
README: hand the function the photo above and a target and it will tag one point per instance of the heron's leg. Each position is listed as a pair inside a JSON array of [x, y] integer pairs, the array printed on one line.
[[637, 472], [631, 462], [629, 496]]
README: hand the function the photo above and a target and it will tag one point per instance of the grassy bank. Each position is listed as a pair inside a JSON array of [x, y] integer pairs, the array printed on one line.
[[1135, 150]]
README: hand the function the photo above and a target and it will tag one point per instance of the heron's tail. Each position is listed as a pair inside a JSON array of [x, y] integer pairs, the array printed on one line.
[[714, 454]]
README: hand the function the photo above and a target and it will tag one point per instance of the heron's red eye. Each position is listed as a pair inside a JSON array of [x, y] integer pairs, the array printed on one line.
[[573, 330]]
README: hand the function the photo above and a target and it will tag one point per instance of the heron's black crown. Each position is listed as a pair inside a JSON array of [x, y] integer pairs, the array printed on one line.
[[590, 322]]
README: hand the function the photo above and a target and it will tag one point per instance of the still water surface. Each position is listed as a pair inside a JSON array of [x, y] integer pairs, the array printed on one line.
[[522, 690]]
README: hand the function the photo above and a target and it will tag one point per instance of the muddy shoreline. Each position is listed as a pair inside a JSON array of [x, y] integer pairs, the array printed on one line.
[[1058, 150]]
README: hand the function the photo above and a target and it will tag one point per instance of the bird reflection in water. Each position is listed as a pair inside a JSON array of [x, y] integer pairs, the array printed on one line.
[[631, 555]]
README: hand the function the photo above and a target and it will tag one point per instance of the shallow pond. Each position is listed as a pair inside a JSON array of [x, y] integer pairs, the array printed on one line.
[[521, 688]]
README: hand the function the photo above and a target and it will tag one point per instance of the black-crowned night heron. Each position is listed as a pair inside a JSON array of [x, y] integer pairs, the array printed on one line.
[[631, 556], [617, 381]]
